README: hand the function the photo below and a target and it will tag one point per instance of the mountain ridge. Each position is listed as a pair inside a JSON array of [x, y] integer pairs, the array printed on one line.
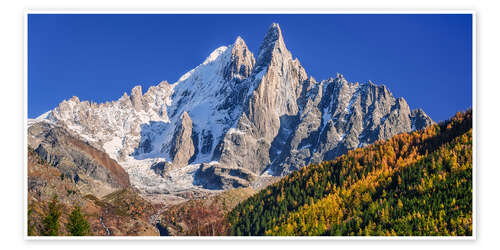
[[264, 115]]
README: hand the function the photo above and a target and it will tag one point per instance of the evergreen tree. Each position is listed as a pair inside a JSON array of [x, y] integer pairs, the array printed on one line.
[[51, 221], [77, 224]]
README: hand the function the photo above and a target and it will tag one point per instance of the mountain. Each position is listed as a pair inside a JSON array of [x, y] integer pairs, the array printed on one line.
[[64, 173], [235, 120], [89, 168], [417, 183]]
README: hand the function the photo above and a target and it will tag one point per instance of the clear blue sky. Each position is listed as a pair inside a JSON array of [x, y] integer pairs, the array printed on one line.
[[427, 59]]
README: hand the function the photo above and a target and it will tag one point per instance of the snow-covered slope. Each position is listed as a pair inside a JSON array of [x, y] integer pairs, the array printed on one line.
[[263, 116], [136, 130]]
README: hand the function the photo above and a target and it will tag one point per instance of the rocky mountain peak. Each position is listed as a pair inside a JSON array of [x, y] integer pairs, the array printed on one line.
[[164, 84], [75, 99], [239, 42], [136, 91], [272, 44], [241, 62], [136, 98], [273, 33], [124, 96]]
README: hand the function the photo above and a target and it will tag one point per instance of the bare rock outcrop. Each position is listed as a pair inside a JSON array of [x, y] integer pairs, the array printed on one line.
[[182, 148], [136, 98], [91, 169], [215, 176]]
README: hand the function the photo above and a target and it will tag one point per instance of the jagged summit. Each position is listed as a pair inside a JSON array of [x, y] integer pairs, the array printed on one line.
[[231, 61], [241, 62], [239, 41], [136, 98], [273, 33], [273, 43]]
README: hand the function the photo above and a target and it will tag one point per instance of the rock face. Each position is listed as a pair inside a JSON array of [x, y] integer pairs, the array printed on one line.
[[136, 98], [419, 119], [92, 170], [262, 116], [213, 176], [274, 98], [182, 145], [291, 120], [241, 61]]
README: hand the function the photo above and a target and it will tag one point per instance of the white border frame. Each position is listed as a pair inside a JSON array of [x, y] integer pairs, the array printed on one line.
[[241, 238]]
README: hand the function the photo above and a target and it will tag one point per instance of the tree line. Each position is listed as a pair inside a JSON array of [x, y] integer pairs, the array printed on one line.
[[417, 183]]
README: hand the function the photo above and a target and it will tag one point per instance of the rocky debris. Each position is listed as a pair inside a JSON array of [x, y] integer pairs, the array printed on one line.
[[214, 176]]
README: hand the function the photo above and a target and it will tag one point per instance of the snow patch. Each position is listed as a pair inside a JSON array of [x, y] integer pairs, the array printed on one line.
[[112, 147], [235, 131], [215, 54]]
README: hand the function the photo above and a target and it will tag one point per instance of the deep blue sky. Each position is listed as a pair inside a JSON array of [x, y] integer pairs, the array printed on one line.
[[427, 59]]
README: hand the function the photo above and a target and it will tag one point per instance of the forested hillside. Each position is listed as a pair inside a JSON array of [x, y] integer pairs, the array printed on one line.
[[416, 183]]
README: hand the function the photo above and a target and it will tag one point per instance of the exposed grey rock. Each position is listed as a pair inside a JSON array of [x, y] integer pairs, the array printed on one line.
[[214, 176], [136, 98], [352, 115], [207, 142], [92, 170], [290, 121], [419, 119], [161, 167], [241, 62], [182, 148], [275, 96]]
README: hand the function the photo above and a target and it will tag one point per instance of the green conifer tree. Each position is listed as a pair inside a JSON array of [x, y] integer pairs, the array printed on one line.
[[77, 224], [51, 221]]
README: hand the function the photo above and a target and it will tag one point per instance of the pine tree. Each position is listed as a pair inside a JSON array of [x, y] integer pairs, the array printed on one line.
[[51, 221], [77, 224]]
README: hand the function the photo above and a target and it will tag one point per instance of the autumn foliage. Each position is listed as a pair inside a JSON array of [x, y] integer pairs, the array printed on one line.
[[416, 183]]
